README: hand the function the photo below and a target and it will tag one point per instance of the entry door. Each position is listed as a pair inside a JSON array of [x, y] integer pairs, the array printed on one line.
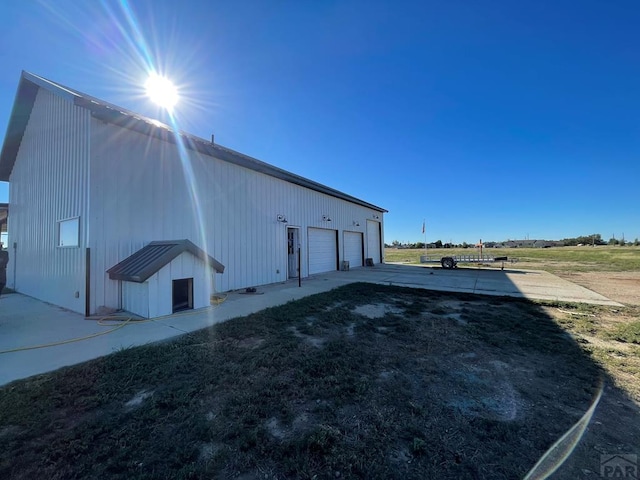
[[292, 251]]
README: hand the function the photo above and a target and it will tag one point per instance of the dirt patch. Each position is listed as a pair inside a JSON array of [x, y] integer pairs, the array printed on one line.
[[415, 385], [623, 287], [315, 341], [138, 399], [208, 451], [377, 310], [275, 429], [300, 424], [250, 342], [483, 389], [351, 329]]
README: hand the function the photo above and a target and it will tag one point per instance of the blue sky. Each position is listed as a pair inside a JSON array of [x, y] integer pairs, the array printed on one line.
[[489, 119]]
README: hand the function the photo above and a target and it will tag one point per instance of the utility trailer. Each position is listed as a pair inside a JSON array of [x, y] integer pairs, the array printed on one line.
[[452, 261]]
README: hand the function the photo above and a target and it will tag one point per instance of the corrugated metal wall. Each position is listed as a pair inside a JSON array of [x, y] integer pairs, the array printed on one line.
[[135, 298], [48, 184], [142, 190]]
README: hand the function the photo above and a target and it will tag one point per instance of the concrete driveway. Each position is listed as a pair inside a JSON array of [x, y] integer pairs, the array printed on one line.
[[26, 322]]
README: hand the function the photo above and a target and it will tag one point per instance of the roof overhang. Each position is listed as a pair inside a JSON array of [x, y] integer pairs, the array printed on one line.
[[25, 99]]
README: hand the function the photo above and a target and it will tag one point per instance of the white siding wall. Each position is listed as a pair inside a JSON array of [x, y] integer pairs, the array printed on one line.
[[49, 183], [142, 191], [161, 284], [135, 298]]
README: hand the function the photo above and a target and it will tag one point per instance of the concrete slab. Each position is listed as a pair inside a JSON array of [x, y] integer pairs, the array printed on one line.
[[26, 322]]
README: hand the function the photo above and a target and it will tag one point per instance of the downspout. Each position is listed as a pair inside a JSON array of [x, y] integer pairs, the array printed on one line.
[[87, 283], [87, 217], [15, 258]]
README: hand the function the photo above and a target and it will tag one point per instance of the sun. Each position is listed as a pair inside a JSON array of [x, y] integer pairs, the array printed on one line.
[[161, 91]]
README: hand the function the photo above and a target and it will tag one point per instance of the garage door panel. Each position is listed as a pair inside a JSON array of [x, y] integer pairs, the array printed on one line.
[[353, 249], [323, 250], [373, 241]]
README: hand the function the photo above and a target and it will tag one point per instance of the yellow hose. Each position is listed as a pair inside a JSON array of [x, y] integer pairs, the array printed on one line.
[[101, 321], [62, 342]]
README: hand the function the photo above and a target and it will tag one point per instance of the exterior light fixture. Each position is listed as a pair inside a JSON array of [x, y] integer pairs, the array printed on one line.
[[282, 219], [356, 223], [326, 218]]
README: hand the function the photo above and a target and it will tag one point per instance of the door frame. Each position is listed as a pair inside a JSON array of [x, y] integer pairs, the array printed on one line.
[[294, 252]]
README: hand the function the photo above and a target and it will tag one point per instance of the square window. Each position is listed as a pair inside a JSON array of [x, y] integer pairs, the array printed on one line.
[[69, 232]]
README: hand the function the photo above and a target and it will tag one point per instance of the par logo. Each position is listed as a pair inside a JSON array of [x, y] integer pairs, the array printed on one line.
[[619, 466]]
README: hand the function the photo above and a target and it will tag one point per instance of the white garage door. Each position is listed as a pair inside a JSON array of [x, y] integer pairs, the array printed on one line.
[[323, 251], [373, 241], [353, 249]]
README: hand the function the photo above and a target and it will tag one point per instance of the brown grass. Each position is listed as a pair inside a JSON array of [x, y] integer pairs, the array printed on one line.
[[365, 381]]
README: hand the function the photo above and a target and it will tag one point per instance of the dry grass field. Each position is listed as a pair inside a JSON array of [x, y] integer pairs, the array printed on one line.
[[612, 271]]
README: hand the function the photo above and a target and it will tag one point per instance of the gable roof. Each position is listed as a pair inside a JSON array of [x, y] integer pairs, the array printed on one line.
[[152, 257], [25, 98]]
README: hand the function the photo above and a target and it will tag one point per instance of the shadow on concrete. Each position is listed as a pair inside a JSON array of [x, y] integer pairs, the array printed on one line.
[[398, 383]]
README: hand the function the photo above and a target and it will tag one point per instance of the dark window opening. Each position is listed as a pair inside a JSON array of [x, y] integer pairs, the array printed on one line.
[[182, 294]]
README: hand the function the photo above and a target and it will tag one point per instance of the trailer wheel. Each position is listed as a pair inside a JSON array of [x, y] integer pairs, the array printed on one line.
[[447, 262]]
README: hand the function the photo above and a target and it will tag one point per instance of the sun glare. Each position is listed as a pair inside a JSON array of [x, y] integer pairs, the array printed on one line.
[[161, 91]]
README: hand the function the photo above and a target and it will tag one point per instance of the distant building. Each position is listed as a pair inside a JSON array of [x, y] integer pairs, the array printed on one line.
[[530, 244]]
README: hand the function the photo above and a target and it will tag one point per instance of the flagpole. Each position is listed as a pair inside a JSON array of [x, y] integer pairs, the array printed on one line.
[[424, 230]]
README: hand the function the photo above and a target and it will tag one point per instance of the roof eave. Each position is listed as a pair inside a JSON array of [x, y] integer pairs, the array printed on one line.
[[23, 105], [20, 113], [126, 278]]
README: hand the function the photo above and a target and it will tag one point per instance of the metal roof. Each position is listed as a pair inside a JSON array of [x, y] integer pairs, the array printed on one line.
[[152, 257], [25, 98]]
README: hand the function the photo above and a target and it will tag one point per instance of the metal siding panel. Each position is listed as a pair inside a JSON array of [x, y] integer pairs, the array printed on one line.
[[48, 184], [135, 298], [239, 208], [157, 290], [162, 303]]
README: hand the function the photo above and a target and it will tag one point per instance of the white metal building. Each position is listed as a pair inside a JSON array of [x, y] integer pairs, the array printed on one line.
[[92, 184]]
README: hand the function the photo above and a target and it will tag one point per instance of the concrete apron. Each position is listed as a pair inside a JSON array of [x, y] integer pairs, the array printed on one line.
[[27, 322]]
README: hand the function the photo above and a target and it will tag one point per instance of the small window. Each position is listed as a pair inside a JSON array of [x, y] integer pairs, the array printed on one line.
[[69, 232]]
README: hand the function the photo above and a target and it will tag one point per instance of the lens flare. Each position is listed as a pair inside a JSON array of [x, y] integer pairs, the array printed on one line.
[[161, 91]]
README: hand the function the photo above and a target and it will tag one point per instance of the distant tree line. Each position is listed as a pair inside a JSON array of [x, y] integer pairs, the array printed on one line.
[[436, 244], [596, 239], [593, 239]]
